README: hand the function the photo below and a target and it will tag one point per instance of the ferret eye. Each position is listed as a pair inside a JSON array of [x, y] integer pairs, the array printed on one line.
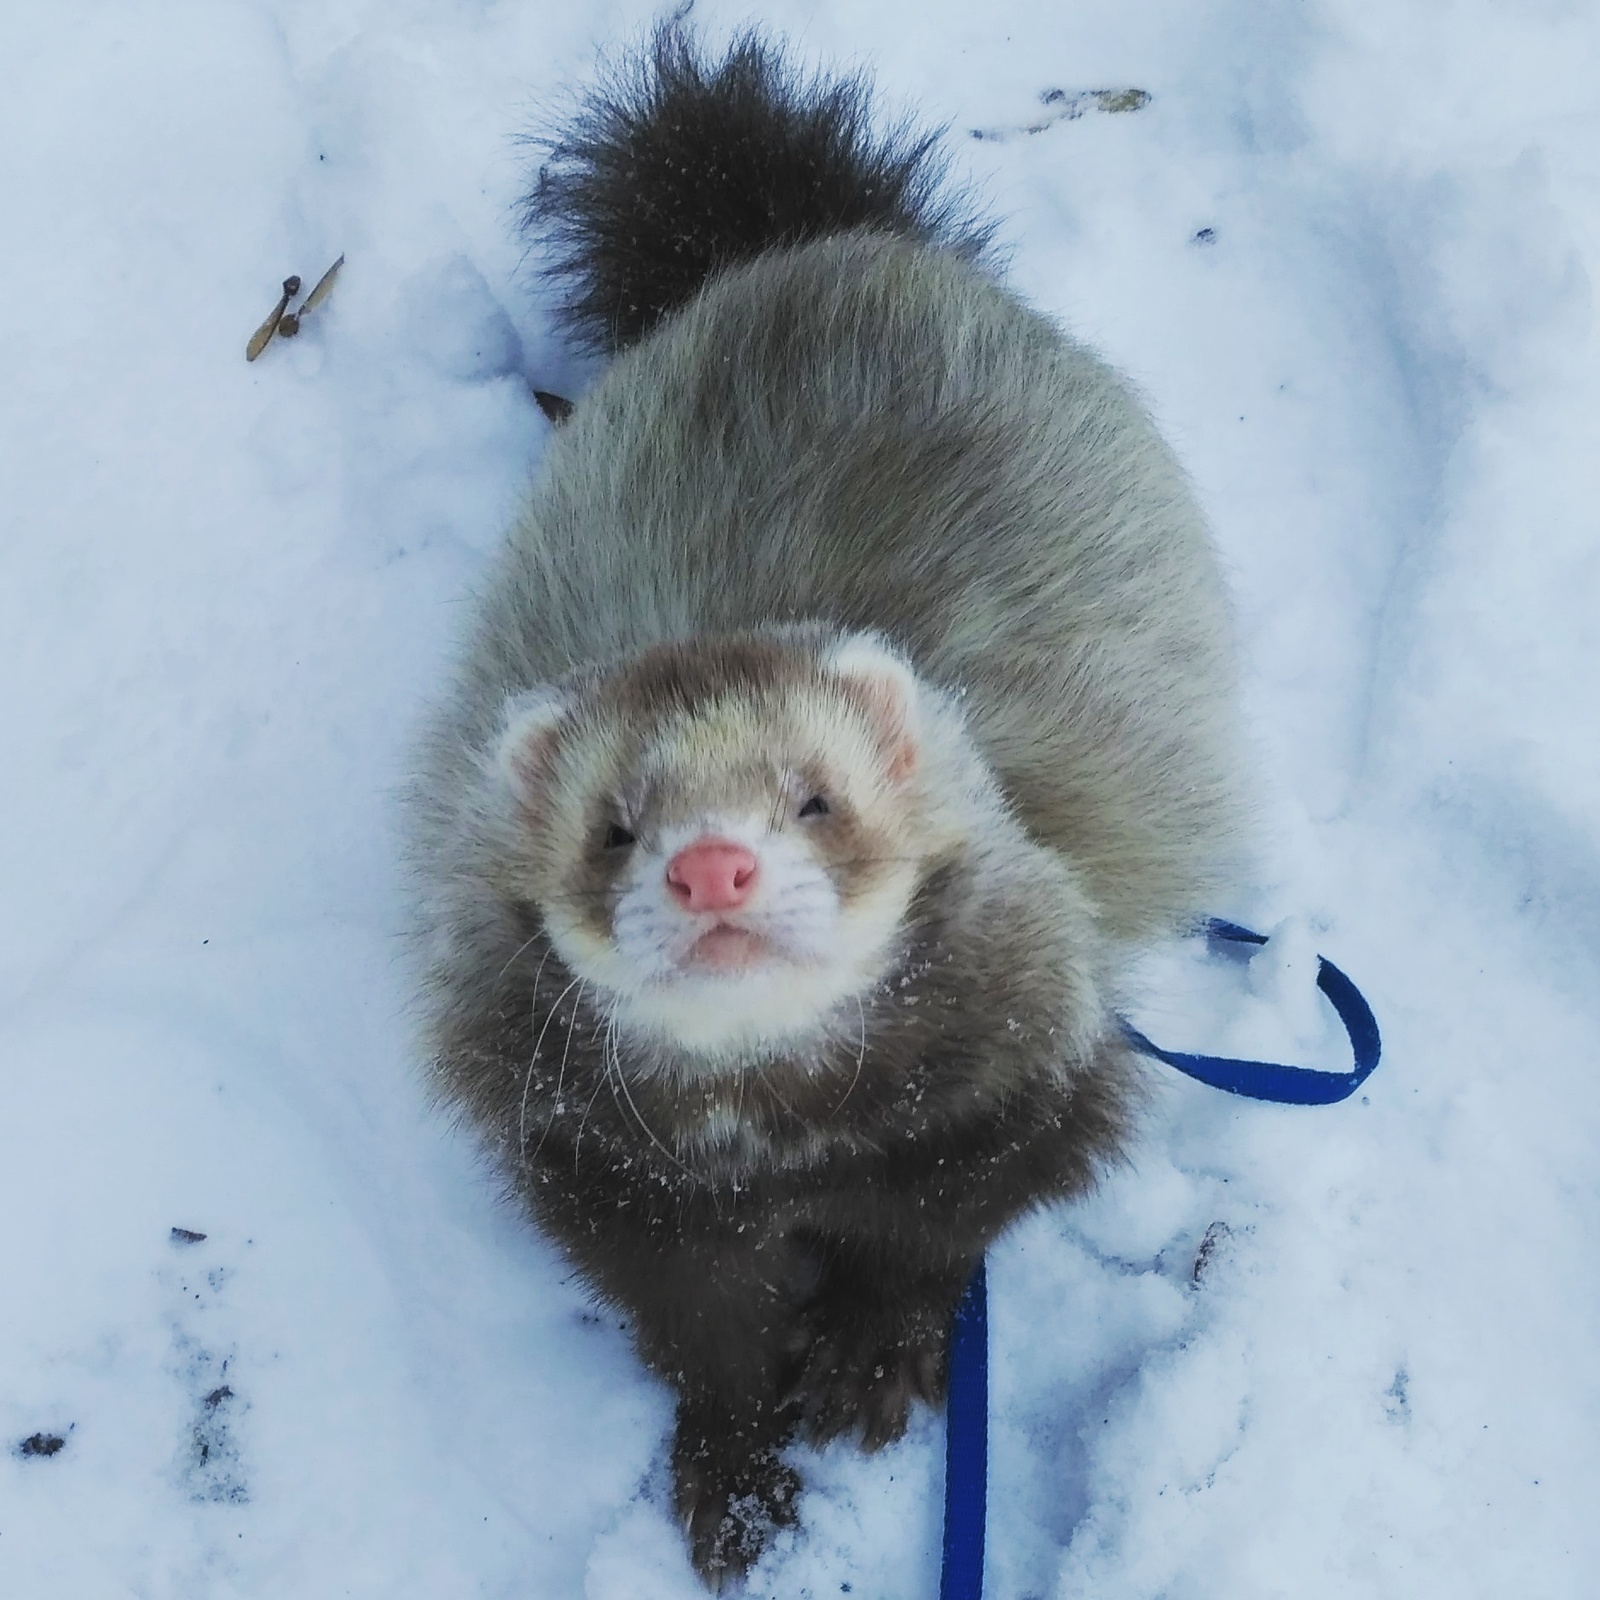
[[618, 837], [816, 806]]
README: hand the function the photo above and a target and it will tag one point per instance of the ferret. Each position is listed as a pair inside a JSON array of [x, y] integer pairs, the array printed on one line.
[[853, 695]]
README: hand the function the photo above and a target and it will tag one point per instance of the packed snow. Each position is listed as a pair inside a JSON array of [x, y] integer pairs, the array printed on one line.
[[1347, 250]]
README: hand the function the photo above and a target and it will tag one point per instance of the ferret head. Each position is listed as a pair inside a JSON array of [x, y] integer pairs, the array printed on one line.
[[724, 837]]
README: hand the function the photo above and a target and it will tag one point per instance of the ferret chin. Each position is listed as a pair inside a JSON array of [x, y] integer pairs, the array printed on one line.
[[853, 694], [722, 1021]]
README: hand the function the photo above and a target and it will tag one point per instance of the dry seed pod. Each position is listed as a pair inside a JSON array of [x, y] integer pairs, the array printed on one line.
[[324, 287], [258, 340], [1119, 100], [290, 325]]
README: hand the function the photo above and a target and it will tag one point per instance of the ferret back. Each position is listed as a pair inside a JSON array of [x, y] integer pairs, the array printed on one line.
[[866, 434], [675, 168]]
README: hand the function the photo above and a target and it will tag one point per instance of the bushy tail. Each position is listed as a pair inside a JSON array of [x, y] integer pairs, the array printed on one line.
[[675, 168]]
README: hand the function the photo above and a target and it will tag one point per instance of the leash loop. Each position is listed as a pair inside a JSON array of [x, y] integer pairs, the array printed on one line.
[[1267, 1080], [967, 1409]]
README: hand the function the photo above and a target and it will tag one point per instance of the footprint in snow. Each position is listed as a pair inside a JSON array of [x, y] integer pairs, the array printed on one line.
[[210, 1465]]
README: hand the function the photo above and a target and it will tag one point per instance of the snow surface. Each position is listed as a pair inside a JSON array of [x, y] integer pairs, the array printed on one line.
[[1347, 249]]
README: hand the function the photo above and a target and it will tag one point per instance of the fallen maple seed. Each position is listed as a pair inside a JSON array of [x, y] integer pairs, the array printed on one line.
[[258, 340], [290, 325]]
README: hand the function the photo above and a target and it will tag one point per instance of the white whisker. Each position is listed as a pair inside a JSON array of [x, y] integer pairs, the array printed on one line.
[[561, 1074], [605, 1073], [861, 1056], [518, 951], [645, 1127], [527, 1083]]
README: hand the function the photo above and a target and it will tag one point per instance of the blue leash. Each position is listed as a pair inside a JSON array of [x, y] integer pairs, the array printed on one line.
[[967, 1413], [1265, 1080], [966, 1450]]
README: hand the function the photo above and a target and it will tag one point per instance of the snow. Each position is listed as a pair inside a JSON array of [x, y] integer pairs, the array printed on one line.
[[229, 589]]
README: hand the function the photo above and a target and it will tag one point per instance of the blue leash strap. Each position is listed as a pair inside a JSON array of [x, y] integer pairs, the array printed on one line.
[[967, 1410], [966, 1451], [1266, 1080]]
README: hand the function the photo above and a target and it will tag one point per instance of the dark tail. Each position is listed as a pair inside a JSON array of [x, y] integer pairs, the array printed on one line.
[[675, 168]]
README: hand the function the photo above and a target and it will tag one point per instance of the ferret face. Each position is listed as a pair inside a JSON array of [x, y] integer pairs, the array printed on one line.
[[724, 838]]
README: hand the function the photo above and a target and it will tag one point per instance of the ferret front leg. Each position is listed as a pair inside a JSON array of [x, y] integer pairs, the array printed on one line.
[[729, 1346], [730, 1486], [716, 1312], [880, 1341]]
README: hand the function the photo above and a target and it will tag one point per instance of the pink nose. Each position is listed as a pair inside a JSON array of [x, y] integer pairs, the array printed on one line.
[[712, 875]]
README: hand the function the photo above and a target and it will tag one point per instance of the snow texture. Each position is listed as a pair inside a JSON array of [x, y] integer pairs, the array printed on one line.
[[1347, 250]]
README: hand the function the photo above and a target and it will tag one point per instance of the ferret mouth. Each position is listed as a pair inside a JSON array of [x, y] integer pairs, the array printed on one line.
[[729, 948]]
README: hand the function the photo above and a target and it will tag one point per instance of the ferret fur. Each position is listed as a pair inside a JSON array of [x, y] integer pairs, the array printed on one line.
[[842, 516]]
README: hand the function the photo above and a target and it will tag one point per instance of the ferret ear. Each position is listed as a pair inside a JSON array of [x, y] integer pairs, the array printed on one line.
[[888, 689], [523, 756]]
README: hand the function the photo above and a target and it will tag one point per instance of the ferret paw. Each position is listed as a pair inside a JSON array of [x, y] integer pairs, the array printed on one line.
[[730, 1509], [863, 1382]]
